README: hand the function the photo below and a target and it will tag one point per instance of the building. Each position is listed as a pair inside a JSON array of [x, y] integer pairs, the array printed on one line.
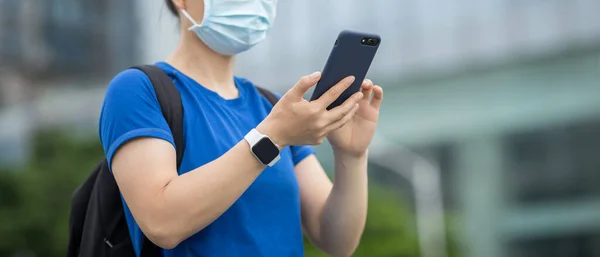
[[503, 94], [518, 148], [57, 45]]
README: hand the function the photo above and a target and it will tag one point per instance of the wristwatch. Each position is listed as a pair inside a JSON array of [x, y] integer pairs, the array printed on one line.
[[263, 148]]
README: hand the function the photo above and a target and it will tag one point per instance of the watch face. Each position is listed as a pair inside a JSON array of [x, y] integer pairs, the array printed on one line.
[[265, 150]]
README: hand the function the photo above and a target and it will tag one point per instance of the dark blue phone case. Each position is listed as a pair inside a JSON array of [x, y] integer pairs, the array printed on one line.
[[349, 57]]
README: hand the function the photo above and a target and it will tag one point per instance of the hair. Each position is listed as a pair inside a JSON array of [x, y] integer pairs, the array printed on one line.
[[172, 7]]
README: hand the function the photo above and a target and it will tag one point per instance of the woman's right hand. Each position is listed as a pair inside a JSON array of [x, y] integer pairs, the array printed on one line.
[[295, 121]]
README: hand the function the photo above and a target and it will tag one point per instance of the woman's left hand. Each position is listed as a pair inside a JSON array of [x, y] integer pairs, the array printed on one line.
[[355, 136]]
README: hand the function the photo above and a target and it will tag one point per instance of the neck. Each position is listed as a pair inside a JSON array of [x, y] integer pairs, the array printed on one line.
[[205, 66]]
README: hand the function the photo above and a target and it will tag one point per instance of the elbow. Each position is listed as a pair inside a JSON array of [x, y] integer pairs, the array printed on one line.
[[162, 236], [341, 251], [166, 229], [338, 246], [164, 242]]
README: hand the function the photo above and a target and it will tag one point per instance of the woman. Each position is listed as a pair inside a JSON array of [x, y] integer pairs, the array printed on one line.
[[228, 198]]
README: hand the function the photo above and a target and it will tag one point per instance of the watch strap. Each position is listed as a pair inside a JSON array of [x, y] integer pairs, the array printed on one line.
[[253, 137]]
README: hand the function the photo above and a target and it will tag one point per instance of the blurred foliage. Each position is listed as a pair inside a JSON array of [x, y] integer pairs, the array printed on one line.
[[389, 231], [35, 201], [35, 204]]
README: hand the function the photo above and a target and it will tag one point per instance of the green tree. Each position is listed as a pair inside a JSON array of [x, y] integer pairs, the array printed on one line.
[[388, 232], [36, 199], [35, 204]]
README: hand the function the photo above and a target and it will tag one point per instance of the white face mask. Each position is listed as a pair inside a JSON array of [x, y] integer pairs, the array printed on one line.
[[230, 27]]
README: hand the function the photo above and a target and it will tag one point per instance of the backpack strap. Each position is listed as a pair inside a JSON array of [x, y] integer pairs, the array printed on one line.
[[273, 99], [169, 100]]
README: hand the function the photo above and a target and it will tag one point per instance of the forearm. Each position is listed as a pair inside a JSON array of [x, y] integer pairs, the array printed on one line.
[[190, 202], [344, 214]]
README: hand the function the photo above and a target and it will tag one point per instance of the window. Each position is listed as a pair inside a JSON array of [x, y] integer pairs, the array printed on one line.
[[10, 45], [77, 42], [559, 163], [78, 38], [564, 246]]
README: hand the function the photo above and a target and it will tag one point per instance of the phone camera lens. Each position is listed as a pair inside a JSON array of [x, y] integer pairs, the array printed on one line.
[[369, 41]]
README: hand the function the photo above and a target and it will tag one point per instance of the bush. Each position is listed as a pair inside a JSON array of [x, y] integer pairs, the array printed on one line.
[[36, 200], [389, 231], [35, 204]]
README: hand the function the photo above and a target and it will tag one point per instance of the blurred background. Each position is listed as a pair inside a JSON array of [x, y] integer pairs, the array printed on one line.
[[489, 136]]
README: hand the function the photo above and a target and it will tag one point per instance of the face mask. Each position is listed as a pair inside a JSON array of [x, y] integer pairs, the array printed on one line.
[[230, 27]]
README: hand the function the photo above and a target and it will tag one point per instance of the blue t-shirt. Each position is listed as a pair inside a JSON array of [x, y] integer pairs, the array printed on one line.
[[265, 220]]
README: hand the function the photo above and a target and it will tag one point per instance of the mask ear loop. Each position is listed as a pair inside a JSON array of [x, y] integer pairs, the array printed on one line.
[[187, 15]]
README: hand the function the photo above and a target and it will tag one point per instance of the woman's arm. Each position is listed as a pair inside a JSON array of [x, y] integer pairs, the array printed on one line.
[[334, 215], [170, 208]]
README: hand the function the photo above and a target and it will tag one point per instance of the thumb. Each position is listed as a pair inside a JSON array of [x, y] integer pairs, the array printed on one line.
[[304, 84]]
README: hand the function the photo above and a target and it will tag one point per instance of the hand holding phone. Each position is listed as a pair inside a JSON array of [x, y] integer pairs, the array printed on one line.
[[295, 121], [352, 55]]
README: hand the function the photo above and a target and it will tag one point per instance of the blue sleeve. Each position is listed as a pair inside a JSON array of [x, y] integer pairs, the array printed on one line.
[[299, 152], [130, 110]]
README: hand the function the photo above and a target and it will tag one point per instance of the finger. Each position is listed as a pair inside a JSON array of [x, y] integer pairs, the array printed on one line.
[[334, 92], [340, 123], [377, 97], [304, 84], [367, 90], [340, 112]]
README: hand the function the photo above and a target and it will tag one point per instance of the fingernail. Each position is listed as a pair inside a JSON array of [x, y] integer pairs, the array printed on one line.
[[315, 74], [351, 79], [356, 106], [360, 95]]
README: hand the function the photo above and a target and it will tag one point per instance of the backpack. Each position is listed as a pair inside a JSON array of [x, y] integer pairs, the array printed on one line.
[[97, 225]]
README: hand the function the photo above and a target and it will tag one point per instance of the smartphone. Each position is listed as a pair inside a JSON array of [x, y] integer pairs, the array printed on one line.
[[351, 55]]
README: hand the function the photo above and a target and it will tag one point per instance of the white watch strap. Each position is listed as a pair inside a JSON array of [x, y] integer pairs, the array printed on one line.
[[253, 137]]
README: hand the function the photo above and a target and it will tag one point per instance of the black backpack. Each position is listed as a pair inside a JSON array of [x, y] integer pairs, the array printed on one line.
[[97, 225]]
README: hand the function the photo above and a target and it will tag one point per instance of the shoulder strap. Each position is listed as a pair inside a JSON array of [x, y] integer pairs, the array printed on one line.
[[169, 100], [273, 99]]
